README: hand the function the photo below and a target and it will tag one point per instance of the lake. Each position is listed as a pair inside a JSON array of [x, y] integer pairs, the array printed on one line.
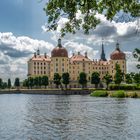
[[73, 117]]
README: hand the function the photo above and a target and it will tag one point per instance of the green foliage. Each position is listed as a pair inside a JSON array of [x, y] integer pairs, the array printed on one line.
[[123, 87], [118, 78], [66, 79], [95, 78], [137, 78], [118, 94], [57, 79], [17, 82], [26, 83], [136, 55], [108, 79], [128, 78], [83, 79], [9, 83], [1, 83], [99, 93], [55, 9], [30, 82], [45, 80]]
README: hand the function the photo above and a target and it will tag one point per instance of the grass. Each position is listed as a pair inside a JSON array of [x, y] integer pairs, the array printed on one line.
[[99, 93], [118, 94]]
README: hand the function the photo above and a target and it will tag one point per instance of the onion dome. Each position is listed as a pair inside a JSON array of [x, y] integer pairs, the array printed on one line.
[[59, 51], [117, 54]]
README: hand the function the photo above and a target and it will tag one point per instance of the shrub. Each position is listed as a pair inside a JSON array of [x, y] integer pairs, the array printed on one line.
[[118, 94], [123, 87], [99, 93]]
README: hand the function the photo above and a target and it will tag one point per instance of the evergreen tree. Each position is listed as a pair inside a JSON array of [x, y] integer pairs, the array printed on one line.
[[95, 78], [83, 79], [9, 83], [57, 79], [108, 79], [17, 83], [36, 81], [45, 80], [118, 78], [65, 79]]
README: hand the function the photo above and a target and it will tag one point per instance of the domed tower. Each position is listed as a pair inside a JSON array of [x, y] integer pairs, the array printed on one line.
[[59, 57], [118, 57]]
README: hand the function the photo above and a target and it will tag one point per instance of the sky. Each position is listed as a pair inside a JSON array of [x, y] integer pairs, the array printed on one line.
[[23, 30]]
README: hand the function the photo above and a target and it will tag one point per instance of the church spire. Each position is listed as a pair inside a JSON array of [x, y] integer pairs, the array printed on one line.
[[103, 53]]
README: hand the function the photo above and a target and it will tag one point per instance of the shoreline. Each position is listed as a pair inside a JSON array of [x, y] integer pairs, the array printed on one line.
[[47, 91]]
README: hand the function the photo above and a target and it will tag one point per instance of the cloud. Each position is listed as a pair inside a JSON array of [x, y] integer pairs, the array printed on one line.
[[15, 52]]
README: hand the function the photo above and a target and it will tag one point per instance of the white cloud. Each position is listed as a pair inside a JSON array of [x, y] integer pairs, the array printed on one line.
[[15, 52]]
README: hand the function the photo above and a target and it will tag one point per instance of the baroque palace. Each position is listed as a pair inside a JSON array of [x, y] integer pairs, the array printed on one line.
[[59, 62]]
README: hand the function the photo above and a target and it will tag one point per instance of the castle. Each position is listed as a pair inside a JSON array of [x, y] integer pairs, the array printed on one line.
[[60, 62]]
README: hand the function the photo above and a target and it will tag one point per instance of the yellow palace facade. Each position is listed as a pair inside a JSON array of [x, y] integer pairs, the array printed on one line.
[[59, 62]]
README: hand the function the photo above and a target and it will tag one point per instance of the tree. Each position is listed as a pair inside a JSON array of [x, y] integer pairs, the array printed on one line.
[[55, 9], [36, 81], [128, 78], [45, 80], [26, 83], [83, 79], [65, 79], [95, 78], [9, 83], [137, 78], [108, 79], [30, 82], [17, 83], [136, 55], [1, 83], [57, 79], [118, 78]]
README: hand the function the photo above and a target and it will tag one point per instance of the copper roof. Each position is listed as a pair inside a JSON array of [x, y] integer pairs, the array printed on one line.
[[41, 58], [59, 52], [117, 55]]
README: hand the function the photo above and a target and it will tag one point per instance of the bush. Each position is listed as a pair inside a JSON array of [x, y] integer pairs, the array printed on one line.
[[99, 93], [123, 87], [118, 94]]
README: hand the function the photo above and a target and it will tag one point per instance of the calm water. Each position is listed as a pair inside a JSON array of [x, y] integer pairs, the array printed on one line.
[[56, 117]]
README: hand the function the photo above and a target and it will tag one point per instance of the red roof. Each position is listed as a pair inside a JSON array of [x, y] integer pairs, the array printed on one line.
[[59, 52], [79, 57], [117, 55], [40, 58]]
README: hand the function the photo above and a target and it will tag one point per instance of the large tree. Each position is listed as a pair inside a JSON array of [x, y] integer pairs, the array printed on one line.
[[137, 78], [31, 82], [55, 9], [57, 79], [9, 83], [17, 83], [95, 78], [1, 83], [108, 79], [136, 55], [118, 78], [65, 79], [45, 80], [83, 79], [128, 78]]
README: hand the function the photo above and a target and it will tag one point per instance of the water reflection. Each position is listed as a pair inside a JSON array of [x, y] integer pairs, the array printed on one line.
[[41, 117]]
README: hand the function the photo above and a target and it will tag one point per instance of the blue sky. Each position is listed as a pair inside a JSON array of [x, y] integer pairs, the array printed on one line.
[[22, 31]]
